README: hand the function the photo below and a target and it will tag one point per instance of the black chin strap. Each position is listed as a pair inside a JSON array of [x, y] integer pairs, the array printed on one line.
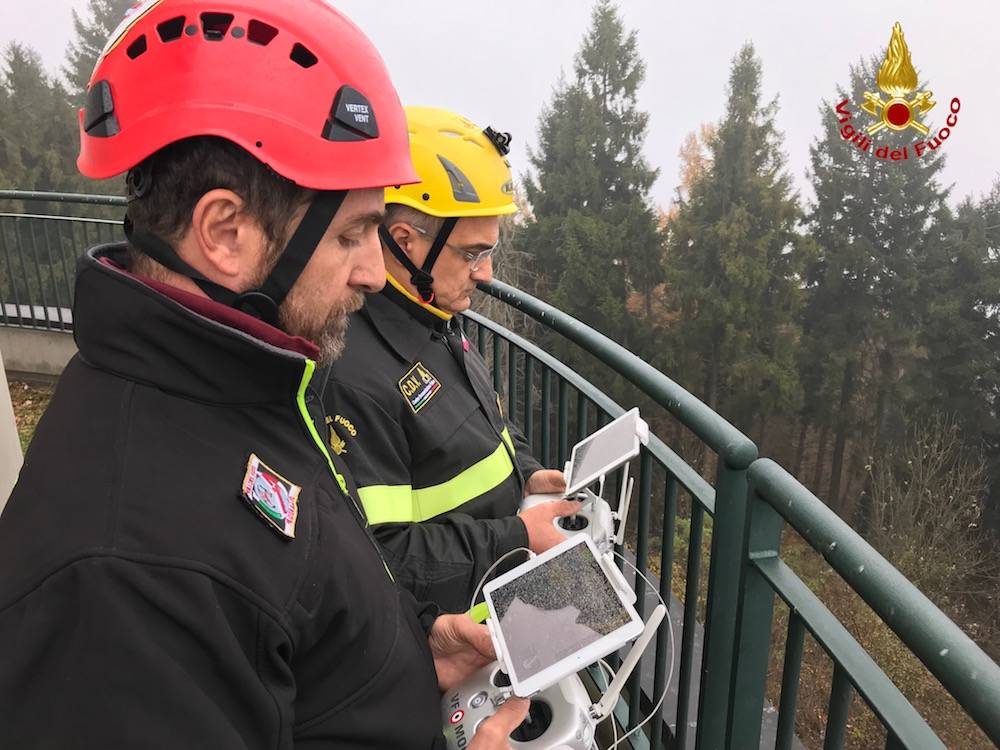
[[421, 278], [264, 302]]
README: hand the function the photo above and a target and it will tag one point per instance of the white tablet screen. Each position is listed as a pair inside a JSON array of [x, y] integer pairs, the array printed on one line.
[[609, 447], [555, 609]]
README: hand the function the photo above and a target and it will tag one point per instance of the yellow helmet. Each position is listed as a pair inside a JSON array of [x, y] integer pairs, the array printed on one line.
[[463, 168], [463, 171]]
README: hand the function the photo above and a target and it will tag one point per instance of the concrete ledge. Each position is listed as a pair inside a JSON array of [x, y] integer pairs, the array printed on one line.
[[36, 352]]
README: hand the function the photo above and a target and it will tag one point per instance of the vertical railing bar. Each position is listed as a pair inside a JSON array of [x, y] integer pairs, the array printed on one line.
[[511, 381], [790, 682], [836, 717], [529, 399], [563, 435], [481, 341], [27, 284], [56, 288], [10, 275], [582, 403], [67, 250], [690, 621], [546, 417], [663, 637], [497, 361], [642, 564]]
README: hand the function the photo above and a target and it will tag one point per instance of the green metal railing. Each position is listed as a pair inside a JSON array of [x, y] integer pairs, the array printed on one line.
[[40, 248], [748, 504]]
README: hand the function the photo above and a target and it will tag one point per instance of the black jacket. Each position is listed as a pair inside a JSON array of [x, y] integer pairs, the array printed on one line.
[[440, 470], [147, 600]]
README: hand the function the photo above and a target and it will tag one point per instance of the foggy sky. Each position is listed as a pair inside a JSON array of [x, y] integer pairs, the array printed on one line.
[[497, 63]]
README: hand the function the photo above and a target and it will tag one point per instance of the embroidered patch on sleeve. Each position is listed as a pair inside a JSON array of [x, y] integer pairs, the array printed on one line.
[[273, 497], [418, 387]]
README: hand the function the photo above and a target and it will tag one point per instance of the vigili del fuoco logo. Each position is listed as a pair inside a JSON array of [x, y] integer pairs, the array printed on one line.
[[904, 109]]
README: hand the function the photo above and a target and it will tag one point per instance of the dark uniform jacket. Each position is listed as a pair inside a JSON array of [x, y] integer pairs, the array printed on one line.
[[439, 468], [150, 594]]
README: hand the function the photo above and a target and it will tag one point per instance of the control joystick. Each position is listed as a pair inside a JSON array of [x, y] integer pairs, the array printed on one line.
[[576, 522]]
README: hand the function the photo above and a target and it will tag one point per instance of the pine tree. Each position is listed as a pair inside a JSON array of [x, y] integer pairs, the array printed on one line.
[[594, 233], [732, 258], [39, 126], [92, 33], [872, 221], [957, 369]]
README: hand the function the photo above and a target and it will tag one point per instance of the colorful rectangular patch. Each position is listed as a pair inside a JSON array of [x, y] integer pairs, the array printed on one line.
[[418, 387], [273, 497]]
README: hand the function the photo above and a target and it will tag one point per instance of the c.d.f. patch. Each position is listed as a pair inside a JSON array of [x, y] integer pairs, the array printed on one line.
[[273, 497], [418, 387]]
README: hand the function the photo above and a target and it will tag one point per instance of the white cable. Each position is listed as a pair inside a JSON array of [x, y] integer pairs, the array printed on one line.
[[670, 638], [611, 678], [482, 581]]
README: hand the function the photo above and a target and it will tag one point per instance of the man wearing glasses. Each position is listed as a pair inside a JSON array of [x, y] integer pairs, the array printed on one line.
[[440, 469]]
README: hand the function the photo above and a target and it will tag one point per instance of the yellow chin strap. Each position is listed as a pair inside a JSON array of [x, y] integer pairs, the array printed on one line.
[[416, 300]]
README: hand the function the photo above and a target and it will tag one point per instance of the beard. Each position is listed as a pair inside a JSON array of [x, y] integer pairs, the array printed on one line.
[[296, 317]]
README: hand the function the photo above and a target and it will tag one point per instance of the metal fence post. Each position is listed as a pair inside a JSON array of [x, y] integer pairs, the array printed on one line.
[[728, 544], [753, 627]]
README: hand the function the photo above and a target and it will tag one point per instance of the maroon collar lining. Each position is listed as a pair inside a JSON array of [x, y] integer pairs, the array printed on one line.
[[227, 316]]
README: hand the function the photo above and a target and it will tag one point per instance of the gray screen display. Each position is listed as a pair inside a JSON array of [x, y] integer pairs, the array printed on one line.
[[593, 456], [555, 610]]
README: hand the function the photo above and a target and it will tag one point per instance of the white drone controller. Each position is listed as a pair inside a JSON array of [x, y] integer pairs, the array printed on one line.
[[562, 715], [592, 459]]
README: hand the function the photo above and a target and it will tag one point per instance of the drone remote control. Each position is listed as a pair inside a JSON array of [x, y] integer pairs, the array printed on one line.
[[559, 716]]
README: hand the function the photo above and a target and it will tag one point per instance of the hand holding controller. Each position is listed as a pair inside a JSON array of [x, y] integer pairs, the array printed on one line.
[[542, 520]]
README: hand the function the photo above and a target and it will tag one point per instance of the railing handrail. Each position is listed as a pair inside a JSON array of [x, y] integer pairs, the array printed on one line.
[[41, 195], [691, 480], [961, 666], [56, 217], [735, 448]]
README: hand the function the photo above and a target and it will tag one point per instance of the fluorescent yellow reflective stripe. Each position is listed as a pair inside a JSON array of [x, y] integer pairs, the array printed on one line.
[[300, 400], [506, 438], [401, 503]]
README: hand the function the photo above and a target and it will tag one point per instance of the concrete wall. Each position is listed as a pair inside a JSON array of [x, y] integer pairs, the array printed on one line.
[[10, 445], [37, 353]]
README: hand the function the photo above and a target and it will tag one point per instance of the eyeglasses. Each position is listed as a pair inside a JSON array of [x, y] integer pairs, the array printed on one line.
[[474, 259]]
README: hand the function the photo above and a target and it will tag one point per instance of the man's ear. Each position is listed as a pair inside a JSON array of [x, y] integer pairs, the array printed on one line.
[[406, 237], [227, 241]]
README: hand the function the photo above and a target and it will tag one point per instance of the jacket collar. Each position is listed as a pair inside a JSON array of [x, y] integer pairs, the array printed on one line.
[[180, 342], [404, 324]]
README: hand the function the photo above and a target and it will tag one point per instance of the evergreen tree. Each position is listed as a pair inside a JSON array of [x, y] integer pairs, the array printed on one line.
[[731, 262], [872, 221], [957, 371], [38, 125], [594, 233], [92, 33]]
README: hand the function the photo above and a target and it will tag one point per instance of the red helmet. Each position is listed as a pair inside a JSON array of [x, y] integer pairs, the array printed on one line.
[[293, 82]]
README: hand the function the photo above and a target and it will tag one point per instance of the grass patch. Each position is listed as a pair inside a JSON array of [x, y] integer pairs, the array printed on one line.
[[30, 402]]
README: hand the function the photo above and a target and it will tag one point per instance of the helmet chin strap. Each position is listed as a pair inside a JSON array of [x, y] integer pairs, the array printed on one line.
[[421, 278], [263, 302]]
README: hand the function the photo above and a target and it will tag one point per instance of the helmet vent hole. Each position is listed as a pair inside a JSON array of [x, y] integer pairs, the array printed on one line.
[[261, 33], [171, 30], [137, 47], [302, 56], [215, 25]]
